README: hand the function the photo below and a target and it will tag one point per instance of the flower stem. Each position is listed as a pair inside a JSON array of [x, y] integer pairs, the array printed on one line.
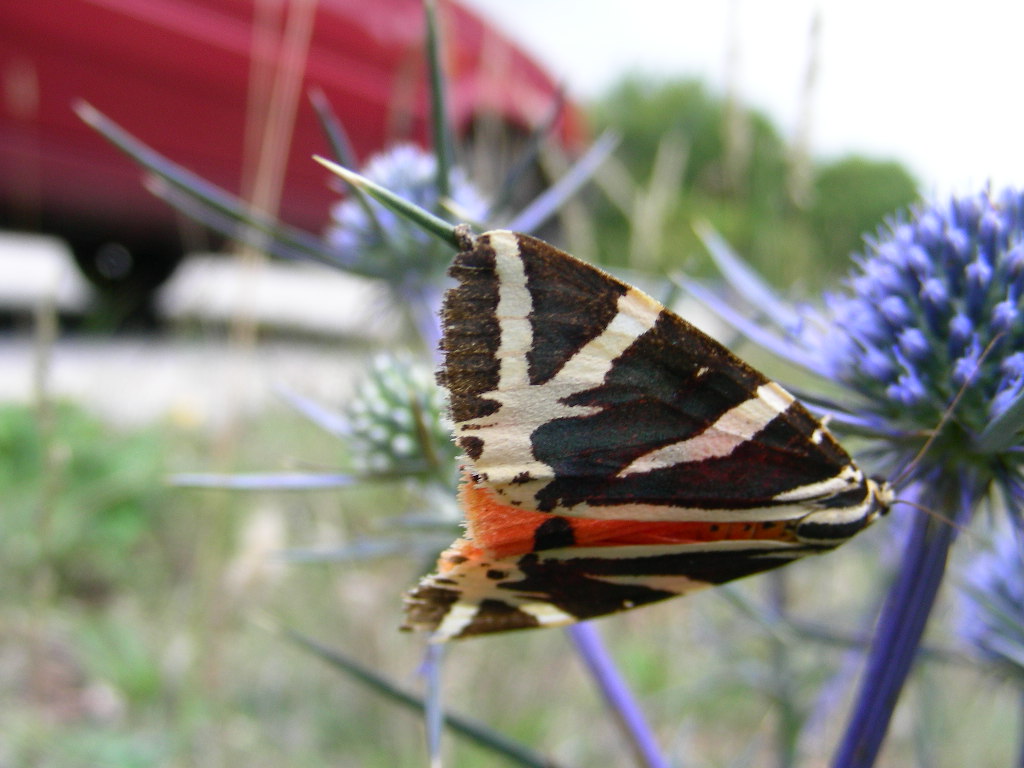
[[900, 628], [431, 670], [617, 695]]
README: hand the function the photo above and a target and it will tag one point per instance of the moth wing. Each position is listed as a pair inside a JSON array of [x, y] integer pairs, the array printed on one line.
[[576, 394], [511, 573]]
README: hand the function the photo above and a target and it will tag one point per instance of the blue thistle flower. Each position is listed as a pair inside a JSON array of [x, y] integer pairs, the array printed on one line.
[[927, 342], [926, 335], [396, 421], [373, 240], [991, 620], [992, 602], [931, 315]]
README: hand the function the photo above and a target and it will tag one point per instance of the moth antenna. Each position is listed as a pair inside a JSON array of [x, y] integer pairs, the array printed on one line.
[[934, 514], [947, 414]]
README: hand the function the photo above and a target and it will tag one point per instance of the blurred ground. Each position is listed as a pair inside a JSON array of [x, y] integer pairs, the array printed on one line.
[[188, 370]]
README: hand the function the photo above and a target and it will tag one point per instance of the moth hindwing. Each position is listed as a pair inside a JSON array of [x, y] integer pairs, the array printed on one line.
[[614, 454]]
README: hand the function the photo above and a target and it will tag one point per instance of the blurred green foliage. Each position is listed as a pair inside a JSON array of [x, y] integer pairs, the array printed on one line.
[[795, 220], [78, 498], [851, 197], [643, 111]]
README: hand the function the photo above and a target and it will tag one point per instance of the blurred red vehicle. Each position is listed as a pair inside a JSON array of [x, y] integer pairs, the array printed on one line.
[[192, 79]]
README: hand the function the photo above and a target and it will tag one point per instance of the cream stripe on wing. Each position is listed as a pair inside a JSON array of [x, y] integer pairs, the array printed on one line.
[[848, 478], [459, 616], [546, 614], [513, 311], [637, 314], [733, 428]]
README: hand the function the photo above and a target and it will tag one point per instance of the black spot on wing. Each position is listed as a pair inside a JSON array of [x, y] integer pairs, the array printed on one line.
[[553, 533], [573, 303], [472, 446]]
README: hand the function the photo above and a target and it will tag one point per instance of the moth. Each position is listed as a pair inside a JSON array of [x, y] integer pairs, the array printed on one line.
[[614, 455]]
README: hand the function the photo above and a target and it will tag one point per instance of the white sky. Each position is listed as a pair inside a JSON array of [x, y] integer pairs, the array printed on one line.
[[938, 86]]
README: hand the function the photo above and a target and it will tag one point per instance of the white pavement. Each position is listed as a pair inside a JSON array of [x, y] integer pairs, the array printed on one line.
[[195, 376]]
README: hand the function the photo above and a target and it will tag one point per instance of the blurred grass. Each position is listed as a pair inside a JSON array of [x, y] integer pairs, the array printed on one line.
[[145, 651], [799, 235]]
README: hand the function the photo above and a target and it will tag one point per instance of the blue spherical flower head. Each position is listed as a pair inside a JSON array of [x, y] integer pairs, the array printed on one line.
[[992, 605], [397, 421], [375, 241], [929, 334], [928, 340]]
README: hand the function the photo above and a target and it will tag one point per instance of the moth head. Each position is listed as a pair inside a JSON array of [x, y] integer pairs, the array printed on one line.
[[846, 514], [883, 494]]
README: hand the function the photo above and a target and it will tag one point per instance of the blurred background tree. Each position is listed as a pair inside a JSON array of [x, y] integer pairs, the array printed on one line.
[[734, 169]]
